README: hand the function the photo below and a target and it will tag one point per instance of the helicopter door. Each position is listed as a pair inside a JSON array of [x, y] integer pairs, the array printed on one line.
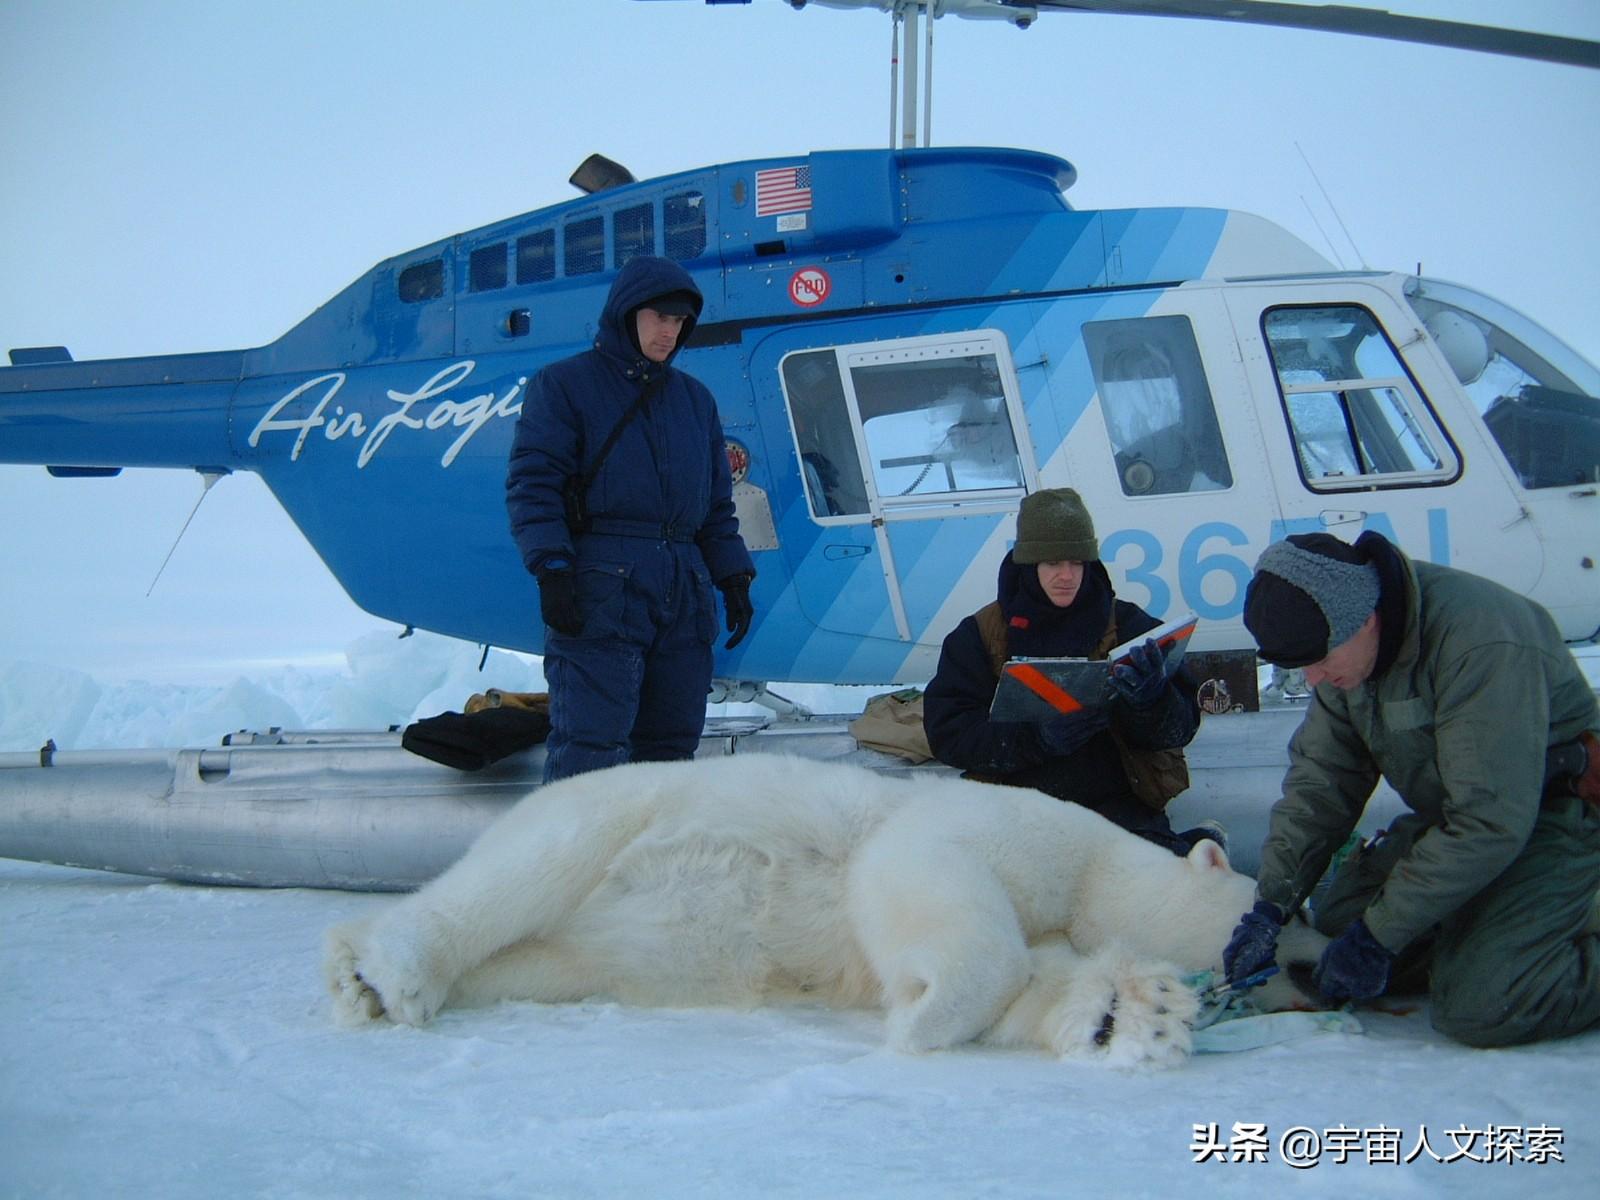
[[912, 452], [1373, 434], [1175, 483]]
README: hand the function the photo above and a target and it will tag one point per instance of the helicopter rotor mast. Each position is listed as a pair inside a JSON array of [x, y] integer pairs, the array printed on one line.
[[903, 48]]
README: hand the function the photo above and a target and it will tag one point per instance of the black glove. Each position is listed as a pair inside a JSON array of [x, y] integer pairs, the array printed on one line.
[[558, 599], [1254, 944], [736, 599], [1141, 680], [1062, 735], [1355, 966]]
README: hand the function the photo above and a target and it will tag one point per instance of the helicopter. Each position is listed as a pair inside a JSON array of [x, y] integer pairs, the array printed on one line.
[[887, 401], [920, 337]]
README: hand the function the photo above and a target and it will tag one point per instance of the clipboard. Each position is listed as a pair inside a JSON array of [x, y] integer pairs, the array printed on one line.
[[1037, 689]]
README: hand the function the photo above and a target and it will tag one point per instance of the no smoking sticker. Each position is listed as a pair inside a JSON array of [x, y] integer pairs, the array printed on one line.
[[809, 286]]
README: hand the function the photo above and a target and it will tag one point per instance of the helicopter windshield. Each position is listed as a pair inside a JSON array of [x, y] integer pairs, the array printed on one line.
[[1535, 394]]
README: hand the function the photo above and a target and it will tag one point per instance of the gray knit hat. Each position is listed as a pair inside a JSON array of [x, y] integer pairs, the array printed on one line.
[[1311, 593], [1053, 525]]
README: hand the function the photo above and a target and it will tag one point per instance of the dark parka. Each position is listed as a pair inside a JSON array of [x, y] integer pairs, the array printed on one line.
[[668, 468], [956, 705], [631, 684]]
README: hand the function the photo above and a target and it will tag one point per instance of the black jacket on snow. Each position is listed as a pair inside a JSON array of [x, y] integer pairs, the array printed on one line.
[[669, 467], [956, 704]]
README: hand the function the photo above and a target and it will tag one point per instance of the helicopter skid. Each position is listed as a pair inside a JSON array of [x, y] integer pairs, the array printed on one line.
[[354, 811]]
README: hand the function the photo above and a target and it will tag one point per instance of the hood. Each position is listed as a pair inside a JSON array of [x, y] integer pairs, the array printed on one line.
[[641, 280], [1036, 627]]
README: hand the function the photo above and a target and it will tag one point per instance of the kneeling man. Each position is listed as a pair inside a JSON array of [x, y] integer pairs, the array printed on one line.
[[1463, 696]]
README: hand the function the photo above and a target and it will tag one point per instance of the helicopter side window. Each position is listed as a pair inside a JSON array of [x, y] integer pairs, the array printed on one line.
[[536, 257], [936, 425], [1544, 422], [422, 281], [633, 232], [907, 426], [486, 269], [685, 220], [583, 246], [824, 434], [1354, 413], [1157, 406]]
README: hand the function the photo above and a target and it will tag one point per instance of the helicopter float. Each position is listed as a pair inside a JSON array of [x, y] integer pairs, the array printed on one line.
[[903, 343]]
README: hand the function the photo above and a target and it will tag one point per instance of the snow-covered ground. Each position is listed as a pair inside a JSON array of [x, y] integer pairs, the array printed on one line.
[[170, 1040], [174, 1041]]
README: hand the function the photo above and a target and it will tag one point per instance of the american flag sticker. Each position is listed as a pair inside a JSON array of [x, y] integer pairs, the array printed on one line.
[[783, 190]]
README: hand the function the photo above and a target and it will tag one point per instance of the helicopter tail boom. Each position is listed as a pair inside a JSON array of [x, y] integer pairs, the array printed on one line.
[[168, 411]]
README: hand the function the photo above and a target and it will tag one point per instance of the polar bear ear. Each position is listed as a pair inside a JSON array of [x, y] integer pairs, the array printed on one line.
[[1207, 855]]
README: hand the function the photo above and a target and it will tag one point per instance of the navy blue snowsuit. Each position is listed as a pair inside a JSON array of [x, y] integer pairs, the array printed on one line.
[[632, 684]]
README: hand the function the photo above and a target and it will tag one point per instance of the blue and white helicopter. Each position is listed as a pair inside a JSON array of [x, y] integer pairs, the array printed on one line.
[[903, 343]]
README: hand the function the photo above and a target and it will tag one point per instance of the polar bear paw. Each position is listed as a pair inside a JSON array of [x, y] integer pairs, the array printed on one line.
[[1111, 1008], [1150, 1020], [374, 972], [354, 1001]]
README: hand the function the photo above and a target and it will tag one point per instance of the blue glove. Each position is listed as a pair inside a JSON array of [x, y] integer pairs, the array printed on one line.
[[1062, 735], [1141, 680], [1355, 966], [1254, 944]]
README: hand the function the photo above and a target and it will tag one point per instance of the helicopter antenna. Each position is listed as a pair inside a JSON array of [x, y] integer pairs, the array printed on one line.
[[1360, 258], [208, 478], [1337, 257]]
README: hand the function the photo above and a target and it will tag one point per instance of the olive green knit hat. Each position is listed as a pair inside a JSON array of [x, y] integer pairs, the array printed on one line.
[[1053, 525]]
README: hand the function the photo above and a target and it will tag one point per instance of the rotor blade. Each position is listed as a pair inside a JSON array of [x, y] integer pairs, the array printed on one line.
[[1343, 18]]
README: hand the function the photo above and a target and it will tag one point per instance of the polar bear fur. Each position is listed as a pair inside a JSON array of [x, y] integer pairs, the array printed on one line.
[[967, 910]]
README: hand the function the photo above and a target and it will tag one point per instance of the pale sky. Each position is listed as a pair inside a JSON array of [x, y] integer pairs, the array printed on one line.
[[199, 176]]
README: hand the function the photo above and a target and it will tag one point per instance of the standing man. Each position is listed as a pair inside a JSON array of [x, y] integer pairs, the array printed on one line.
[[620, 502], [1463, 696]]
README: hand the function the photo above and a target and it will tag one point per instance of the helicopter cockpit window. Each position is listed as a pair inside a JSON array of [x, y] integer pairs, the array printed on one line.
[[1545, 422], [685, 219], [1355, 416], [422, 281], [1157, 406], [486, 270], [536, 257], [583, 246], [633, 232], [934, 420]]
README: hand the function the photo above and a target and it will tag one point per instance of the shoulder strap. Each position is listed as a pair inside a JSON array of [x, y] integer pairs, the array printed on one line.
[[991, 620], [1108, 639], [586, 478]]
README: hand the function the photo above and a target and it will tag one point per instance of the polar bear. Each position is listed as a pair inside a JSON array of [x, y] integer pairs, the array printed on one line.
[[967, 910]]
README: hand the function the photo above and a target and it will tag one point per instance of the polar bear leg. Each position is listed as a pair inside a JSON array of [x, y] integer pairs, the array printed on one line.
[[941, 933], [546, 972], [521, 879], [1111, 1006]]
